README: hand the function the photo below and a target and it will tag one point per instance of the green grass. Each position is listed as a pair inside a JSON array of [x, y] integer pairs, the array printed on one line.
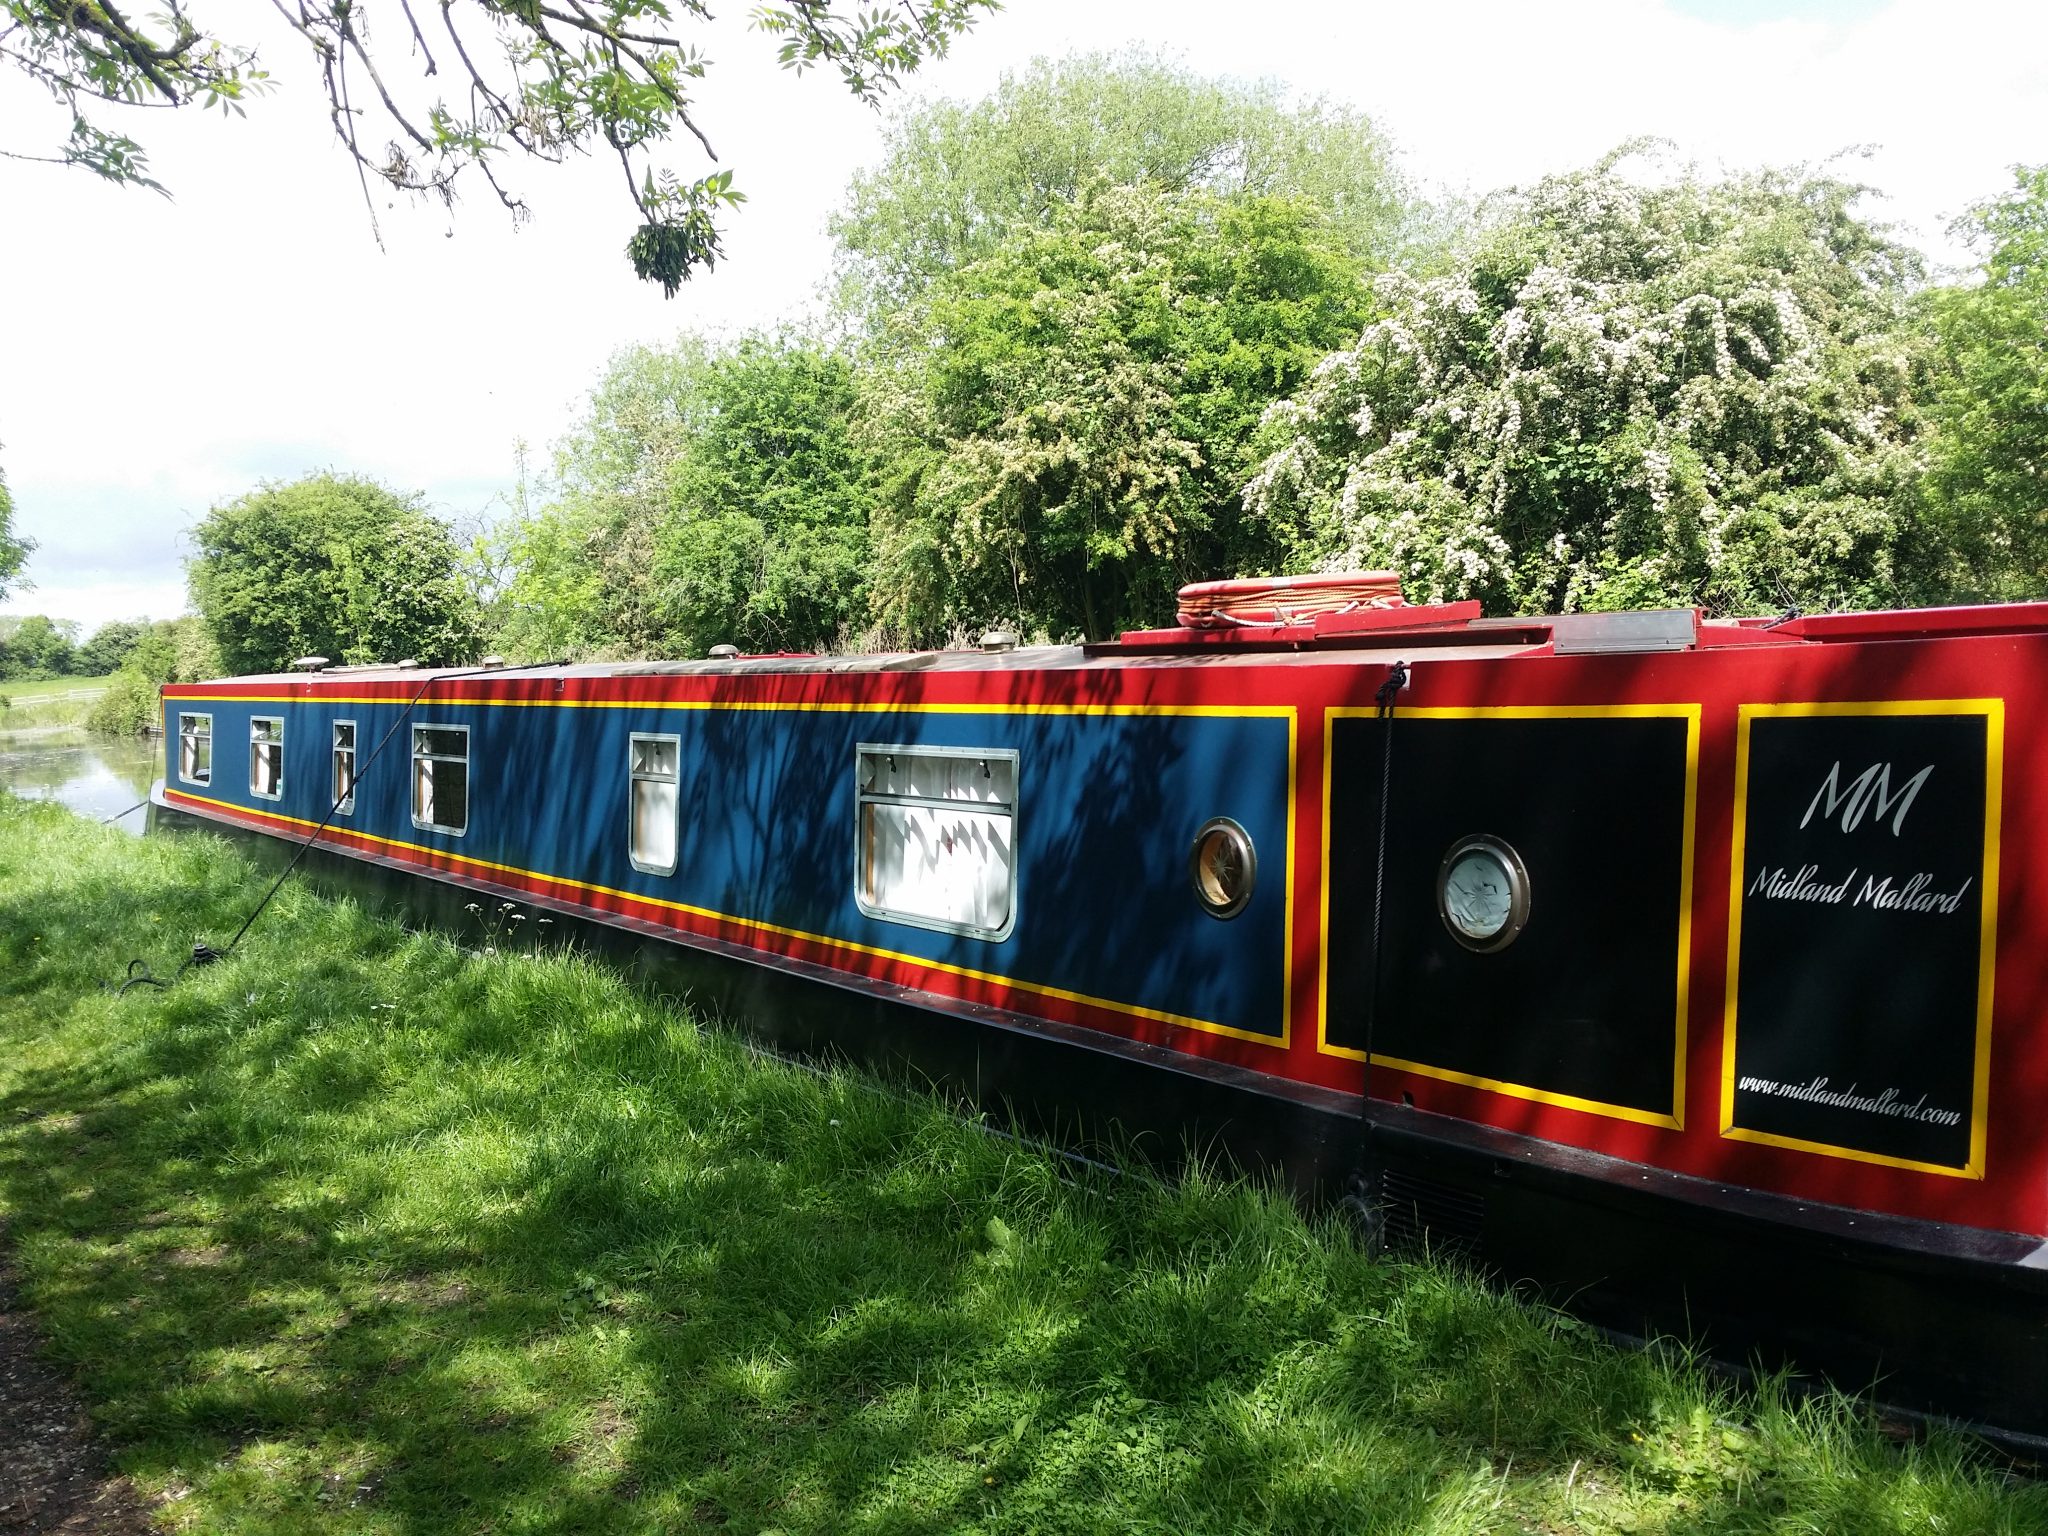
[[361, 1231], [49, 687], [48, 701]]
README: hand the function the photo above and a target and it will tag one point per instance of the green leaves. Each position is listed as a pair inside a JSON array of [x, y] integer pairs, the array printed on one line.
[[682, 231], [167, 651], [958, 180], [1074, 409], [874, 49], [331, 565], [667, 253], [1988, 399], [710, 495], [85, 56], [14, 550], [522, 80]]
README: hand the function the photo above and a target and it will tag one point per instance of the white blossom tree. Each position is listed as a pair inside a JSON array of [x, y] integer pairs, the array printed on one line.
[[1624, 393]]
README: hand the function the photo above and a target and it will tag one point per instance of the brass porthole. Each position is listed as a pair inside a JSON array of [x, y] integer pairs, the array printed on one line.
[[1223, 867], [1482, 893]]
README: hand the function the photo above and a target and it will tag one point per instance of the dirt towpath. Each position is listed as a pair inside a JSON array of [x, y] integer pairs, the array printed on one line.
[[53, 1474]]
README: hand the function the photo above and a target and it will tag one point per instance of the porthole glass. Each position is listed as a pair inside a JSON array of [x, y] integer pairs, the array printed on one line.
[[1223, 867], [1482, 893]]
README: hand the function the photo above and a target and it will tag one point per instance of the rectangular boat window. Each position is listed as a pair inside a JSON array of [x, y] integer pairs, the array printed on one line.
[[195, 748], [440, 777], [937, 837], [655, 763], [266, 757], [343, 788]]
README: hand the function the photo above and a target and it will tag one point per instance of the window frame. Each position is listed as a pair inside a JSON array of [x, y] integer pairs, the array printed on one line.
[[413, 789], [183, 716], [862, 799], [256, 745], [347, 805], [635, 777]]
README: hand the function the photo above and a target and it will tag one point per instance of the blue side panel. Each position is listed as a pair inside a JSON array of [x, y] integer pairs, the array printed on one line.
[[1107, 809]]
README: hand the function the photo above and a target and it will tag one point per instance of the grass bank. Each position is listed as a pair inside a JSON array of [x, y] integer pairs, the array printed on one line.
[[362, 1231], [52, 701]]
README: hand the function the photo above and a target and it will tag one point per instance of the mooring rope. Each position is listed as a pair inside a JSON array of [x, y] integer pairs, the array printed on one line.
[[206, 954], [1368, 1194]]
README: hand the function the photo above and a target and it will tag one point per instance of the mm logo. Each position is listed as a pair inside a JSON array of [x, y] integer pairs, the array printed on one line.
[[1869, 793]]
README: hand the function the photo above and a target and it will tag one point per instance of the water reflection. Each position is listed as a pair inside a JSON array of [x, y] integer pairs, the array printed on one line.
[[95, 775]]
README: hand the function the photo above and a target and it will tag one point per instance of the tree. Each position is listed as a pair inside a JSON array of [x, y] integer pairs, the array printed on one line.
[[1066, 420], [709, 494], [1988, 462], [766, 546], [956, 180], [582, 564], [1625, 394], [529, 78], [36, 646], [109, 647], [168, 651], [331, 565], [14, 550]]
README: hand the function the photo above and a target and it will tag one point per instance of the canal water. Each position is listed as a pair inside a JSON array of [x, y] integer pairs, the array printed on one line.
[[97, 776]]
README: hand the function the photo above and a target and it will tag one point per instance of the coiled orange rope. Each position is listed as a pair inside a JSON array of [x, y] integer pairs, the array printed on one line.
[[1273, 600]]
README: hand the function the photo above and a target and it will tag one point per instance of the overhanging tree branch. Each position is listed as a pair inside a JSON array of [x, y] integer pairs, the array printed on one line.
[[564, 74], [419, 37]]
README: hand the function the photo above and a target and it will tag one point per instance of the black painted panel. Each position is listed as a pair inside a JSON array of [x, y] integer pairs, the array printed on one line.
[[1861, 920], [1584, 1002]]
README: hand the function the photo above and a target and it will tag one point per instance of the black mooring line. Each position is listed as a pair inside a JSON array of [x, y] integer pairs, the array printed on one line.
[[1389, 691], [205, 954]]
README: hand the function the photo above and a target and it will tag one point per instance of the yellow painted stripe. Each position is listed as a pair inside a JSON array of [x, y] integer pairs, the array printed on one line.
[[1847, 1154], [1879, 707], [1287, 889], [895, 956], [1214, 711], [1737, 855], [1685, 900], [1536, 711], [1522, 1091]]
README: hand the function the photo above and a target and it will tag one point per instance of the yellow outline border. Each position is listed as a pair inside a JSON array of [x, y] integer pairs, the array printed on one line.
[[1283, 1041], [822, 706], [1993, 711], [1690, 713]]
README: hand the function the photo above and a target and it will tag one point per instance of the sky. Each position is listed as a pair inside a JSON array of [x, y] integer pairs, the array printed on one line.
[[159, 357]]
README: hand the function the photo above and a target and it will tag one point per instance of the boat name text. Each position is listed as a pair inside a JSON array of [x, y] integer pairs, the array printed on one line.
[[1876, 891]]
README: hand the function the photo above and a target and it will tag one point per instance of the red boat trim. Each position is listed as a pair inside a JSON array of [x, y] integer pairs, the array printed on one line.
[[1919, 623]]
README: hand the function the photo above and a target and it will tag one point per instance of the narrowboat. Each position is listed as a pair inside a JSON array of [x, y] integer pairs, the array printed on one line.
[[1695, 970]]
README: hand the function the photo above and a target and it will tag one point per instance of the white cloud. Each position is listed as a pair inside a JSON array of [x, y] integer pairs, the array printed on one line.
[[156, 358], [100, 597]]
